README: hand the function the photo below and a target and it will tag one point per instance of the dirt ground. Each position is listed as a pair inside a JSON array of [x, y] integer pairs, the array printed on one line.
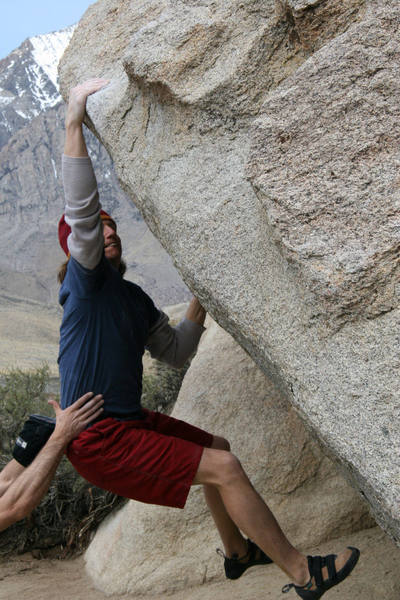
[[376, 577]]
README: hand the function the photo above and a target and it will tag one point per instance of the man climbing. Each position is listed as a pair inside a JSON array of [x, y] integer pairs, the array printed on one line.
[[133, 452], [38, 450]]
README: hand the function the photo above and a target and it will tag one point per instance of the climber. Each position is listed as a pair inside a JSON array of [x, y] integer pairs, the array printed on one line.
[[37, 452], [134, 452]]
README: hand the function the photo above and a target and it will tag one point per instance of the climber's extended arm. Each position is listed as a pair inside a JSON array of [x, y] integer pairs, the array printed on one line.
[[82, 205]]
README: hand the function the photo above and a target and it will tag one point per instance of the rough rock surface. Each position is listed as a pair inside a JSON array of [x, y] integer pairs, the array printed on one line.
[[336, 214], [299, 262], [150, 549]]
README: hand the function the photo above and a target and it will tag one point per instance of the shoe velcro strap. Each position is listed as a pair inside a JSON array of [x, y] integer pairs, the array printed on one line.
[[315, 564], [330, 563], [251, 550]]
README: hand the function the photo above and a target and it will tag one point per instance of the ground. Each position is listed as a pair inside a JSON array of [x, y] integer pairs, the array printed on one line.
[[377, 577]]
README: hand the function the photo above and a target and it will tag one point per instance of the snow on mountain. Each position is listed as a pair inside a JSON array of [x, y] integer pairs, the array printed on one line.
[[49, 48], [28, 80]]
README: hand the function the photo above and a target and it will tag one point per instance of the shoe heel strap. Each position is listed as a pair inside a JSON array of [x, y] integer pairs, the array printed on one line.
[[286, 588], [234, 557]]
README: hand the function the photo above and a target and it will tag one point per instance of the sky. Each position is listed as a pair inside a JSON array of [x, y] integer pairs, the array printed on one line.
[[21, 19]]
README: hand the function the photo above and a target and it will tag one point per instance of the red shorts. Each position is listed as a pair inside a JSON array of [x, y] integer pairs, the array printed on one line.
[[152, 460]]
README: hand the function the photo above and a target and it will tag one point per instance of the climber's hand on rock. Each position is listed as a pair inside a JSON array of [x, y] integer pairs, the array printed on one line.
[[77, 100], [196, 312]]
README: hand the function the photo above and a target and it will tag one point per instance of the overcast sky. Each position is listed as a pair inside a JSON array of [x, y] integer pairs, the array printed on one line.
[[21, 19]]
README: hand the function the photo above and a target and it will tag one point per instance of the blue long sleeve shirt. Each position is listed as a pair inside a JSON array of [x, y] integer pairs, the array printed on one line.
[[103, 333], [107, 321]]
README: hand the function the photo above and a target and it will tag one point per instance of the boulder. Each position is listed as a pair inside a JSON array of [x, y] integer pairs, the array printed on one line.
[[260, 141], [152, 549]]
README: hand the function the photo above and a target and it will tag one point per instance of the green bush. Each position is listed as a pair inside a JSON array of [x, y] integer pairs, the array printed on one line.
[[72, 508]]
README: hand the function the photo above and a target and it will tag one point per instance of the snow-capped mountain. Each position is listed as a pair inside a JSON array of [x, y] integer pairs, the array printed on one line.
[[28, 80], [48, 50]]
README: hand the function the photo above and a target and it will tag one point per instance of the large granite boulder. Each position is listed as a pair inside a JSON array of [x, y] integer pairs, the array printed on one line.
[[151, 549], [259, 139]]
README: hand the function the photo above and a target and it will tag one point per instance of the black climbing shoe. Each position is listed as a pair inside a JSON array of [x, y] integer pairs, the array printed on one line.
[[315, 566], [236, 566]]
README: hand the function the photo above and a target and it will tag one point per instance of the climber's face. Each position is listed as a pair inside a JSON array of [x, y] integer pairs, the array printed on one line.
[[112, 243]]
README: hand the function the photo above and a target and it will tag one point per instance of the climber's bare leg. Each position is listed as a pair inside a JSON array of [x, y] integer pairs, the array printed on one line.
[[222, 470], [232, 539]]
